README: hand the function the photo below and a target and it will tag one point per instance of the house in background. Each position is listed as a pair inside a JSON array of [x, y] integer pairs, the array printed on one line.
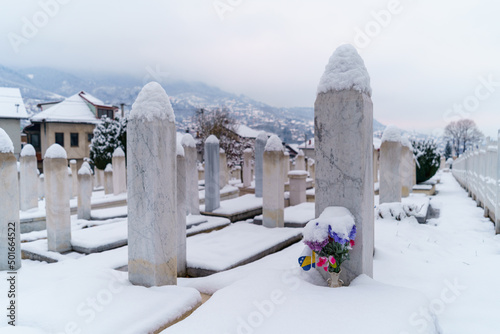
[[12, 110], [69, 123]]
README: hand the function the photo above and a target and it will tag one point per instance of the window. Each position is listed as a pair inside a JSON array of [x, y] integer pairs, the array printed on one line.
[[105, 112], [89, 137], [60, 138], [74, 139], [35, 140]]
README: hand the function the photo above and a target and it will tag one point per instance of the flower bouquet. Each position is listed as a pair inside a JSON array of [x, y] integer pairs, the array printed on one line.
[[329, 239]]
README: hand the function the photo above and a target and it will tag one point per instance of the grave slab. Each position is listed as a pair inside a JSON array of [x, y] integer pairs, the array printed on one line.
[[234, 246], [295, 216], [236, 209]]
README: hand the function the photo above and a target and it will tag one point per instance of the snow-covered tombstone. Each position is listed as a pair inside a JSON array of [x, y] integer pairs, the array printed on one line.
[[286, 166], [390, 161], [84, 176], [28, 179], [212, 189], [193, 197], [300, 161], [108, 179], [74, 176], [247, 167], [297, 186], [260, 145], [343, 132], [273, 198], [119, 172], [406, 167], [223, 178], [10, 245], [55, 166], [152, 183], [181, 211]]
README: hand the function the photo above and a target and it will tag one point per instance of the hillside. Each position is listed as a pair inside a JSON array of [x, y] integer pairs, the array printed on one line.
[[41, 84]]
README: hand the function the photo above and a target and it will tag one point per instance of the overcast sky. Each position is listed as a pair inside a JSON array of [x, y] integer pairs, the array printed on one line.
[[429, 61]]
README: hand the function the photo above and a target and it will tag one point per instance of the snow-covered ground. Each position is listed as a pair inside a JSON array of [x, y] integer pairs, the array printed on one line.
[[444, 272]]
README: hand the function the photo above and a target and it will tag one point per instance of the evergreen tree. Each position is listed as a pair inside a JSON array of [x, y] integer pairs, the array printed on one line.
[[108, 135], [428, 159]]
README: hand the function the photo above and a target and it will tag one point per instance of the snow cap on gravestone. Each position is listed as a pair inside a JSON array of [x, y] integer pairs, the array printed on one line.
[[262, 136], [28, 151], [345, 70], [56, 151], [212, 140], [392, 133], [274, 144], [151, 104], [188, 141], [118, 152], [6, 145]]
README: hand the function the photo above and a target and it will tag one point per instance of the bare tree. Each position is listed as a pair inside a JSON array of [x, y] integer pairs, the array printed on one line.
[[463, 133], [220, 123]]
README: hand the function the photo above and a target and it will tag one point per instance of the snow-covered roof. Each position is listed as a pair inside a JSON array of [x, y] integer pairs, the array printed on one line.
[[74, 109], [246, 132], [11, 103]]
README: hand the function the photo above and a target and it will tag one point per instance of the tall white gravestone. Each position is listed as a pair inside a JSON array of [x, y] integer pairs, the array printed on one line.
[[286, 166], [108, 179], [152, 183], [406, 167], [29, 178], [119, 172], [390, 188], [193, 197], [300, 161], [181, 212], [74, 175], [297, 186], [247, 167], [260, 145], [212, 190], [273, 199], [9, 206], [55, 166], [84, 192], [343, 132], [223, 179]]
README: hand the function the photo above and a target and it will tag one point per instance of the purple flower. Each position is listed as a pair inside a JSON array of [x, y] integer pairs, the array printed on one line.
[[316, 245], [335, 237], [352, 234]]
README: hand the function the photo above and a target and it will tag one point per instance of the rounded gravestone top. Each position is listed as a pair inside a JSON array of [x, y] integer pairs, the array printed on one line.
[[151, 104], [118, 152], [188, 141], [391, 133], [405, 141], [55, 151], [109, 168], [299, 173], [345, 70], [28, 151], [6, 145], [70, 173], [84, 170], [212, 140], [248, 150], [274, 144]]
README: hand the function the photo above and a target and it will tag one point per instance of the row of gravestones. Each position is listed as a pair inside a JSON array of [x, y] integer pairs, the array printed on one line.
[[32, 185], [162, 172]]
